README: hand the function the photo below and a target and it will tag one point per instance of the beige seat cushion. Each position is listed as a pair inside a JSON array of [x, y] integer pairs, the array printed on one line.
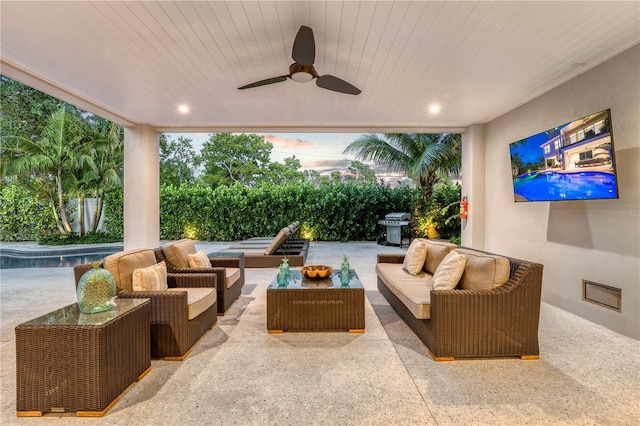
[[152, 278], [277, 242], [415, 257], [233, 275], [198, 260], [449, 271], [436, 251], [483, 271], [122, 264], [199, 299], [414, 291], [177, 253]]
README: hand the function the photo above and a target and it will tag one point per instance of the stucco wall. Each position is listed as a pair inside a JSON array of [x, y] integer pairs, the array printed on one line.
[[597, 240]]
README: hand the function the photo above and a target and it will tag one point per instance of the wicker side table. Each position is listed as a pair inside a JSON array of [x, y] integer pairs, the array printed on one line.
[[67, 361], [316, 305]]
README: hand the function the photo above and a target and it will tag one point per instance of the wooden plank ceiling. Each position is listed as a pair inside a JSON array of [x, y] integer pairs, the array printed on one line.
[[135, 62]]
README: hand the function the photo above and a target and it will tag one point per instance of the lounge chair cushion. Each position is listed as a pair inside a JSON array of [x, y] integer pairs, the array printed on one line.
[[277, 242], [151, 278], [178, 252], [449, 271], [413, 290], [122, 264], [436, 251], [199, 260], [415, 257], [483, 271], [199, 299], [233, 275]]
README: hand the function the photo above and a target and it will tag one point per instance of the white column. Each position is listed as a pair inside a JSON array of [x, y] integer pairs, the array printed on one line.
[[473, 186], [141, 187]]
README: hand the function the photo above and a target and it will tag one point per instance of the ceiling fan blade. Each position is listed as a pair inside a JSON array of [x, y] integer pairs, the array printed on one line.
[[337, 85], [304, 47], [265, 82]]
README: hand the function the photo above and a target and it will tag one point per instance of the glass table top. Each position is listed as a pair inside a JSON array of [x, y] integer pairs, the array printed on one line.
[[298, 281], [71, 315]]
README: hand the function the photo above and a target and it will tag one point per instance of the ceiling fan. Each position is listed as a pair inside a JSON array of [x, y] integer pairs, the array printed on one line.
[[302, 70]]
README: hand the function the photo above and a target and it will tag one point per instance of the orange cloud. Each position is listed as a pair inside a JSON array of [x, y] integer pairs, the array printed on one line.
[[289, 143]]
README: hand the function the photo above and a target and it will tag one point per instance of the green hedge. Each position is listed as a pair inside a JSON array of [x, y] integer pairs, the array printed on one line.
[[336, 212], [23, 218], [340, 212]]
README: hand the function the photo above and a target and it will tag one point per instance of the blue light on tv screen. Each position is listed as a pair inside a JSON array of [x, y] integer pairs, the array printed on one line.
[[574, 161]]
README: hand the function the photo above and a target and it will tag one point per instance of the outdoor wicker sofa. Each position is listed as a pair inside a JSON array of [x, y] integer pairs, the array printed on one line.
[[229, 269], [180, 315], [467, 323]]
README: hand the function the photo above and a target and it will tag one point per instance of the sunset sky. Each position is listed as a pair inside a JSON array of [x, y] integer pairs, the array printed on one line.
[[316, 151]]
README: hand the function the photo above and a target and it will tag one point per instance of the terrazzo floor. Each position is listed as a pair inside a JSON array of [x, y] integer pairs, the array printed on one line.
[[239, 374]]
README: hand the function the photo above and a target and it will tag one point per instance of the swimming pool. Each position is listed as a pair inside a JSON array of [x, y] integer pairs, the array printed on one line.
[[58, 258], [553, 186]]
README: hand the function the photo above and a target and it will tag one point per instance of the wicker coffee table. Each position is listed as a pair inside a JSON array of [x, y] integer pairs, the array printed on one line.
[[67, 361], [316, 305]]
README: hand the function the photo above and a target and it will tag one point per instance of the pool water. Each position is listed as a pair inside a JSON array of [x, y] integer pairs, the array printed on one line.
[[552, 186], [59, 261]]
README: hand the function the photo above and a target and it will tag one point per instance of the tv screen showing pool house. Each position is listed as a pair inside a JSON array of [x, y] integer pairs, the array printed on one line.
[[574, 161]]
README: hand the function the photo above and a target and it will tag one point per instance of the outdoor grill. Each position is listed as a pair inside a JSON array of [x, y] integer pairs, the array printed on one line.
[[394, 223]]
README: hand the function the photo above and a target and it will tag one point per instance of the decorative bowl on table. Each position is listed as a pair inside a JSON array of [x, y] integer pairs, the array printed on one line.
[[316, 271]]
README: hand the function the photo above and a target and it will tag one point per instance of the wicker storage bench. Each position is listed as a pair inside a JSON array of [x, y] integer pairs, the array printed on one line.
[[67, 361], [500, 322]]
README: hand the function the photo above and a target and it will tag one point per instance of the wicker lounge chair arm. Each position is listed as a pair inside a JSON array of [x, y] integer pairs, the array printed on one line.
[[228, 262], [191, 279], [220, 273], [391, 258]]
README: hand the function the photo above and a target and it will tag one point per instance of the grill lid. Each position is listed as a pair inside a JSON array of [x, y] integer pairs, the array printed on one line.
[[398, 216]]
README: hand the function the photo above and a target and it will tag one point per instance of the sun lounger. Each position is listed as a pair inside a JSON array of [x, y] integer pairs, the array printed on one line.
[[263, 255], [265, 241]]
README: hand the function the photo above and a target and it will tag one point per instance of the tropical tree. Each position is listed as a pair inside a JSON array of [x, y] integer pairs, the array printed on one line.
[[280, 174], [423, 157], [57, 154], [107, 140], [178, 161], [24, 110], [230, 158], [517, 165], [246, 159], [361, 172]]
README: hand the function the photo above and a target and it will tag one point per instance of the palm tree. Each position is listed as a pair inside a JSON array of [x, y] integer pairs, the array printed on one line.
[[54, 157], [423, 157], [108, 158]]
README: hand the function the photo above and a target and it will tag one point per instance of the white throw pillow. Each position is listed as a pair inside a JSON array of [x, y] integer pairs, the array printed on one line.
[[415, 257], [199, 260], [449, 271], [152, 278]]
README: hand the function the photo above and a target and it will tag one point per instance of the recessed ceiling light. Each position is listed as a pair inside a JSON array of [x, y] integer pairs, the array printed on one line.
[[183, 109], [434, 108]]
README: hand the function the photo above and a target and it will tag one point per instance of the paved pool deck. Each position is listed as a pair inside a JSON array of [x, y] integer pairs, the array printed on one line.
[[239, 374]]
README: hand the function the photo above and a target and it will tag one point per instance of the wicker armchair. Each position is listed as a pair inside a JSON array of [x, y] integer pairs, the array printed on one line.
[[173, 332], [229, 269]]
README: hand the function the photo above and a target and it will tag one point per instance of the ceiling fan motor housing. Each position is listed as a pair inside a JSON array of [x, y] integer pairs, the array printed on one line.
[[302, 73]]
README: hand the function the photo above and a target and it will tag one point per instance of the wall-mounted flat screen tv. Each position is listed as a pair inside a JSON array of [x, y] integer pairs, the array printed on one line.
[[574, 161]]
